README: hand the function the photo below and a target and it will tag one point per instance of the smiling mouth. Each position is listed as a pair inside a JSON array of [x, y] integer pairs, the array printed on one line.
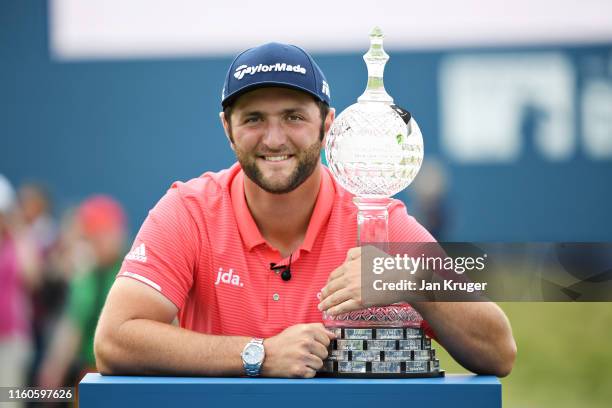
[[276, 158]]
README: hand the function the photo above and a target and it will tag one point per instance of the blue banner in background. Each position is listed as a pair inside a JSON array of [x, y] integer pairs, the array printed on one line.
[[518, 141]]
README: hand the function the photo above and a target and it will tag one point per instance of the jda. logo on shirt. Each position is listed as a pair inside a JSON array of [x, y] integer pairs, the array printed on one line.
[[228, 278], [278, 67]]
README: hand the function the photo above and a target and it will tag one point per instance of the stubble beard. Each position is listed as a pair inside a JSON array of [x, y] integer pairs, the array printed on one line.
[[307, 161]]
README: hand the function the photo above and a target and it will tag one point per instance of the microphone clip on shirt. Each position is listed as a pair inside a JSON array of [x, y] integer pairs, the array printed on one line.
[[285, 270]]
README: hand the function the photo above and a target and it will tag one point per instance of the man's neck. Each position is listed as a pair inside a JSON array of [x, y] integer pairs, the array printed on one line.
[[283, 219]]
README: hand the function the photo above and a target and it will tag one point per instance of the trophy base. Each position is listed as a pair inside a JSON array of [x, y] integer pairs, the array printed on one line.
[[433, 374], [380, 352]]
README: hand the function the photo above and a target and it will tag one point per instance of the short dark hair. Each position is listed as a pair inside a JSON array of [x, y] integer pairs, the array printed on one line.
[[323, 110]]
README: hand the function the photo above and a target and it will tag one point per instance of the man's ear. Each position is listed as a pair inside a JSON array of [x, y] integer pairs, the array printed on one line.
[[331, 115], [226, 129]]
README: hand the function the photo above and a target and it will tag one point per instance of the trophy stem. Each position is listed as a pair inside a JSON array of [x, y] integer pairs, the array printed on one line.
[[373, 221]]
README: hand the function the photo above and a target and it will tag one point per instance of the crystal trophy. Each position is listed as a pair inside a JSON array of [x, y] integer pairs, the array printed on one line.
[[374, 150]]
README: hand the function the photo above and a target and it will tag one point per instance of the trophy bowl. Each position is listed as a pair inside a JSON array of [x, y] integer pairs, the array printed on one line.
[[374, 149]]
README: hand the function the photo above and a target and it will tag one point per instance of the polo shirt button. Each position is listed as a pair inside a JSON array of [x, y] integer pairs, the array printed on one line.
[[275, 297]]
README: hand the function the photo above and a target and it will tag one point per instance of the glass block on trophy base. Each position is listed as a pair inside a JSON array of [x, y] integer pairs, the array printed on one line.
[[366, 355], [351, 366], [410, 344], [386, 367], [344, 344], [339, 355], [389, 334], [434, 365], [381, 344], [417, 366], [423, 354], [413, 332], [398, 355], [362, 334]]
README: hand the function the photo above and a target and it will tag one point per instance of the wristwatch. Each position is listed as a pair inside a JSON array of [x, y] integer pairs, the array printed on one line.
[[253, 356]]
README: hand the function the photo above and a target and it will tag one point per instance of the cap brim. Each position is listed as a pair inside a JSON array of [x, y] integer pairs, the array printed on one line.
[[231, 98]]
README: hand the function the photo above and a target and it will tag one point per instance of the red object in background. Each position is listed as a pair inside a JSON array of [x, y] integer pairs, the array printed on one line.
[[99, 214]]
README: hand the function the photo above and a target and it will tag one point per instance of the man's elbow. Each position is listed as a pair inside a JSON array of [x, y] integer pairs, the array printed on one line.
[[103, 351], [506, 358]]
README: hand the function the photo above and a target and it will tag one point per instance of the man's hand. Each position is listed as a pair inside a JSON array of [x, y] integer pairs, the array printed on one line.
[[343, 290], [298, 351]]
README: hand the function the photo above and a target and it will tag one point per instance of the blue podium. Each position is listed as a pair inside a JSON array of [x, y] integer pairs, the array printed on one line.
[[455, 391]]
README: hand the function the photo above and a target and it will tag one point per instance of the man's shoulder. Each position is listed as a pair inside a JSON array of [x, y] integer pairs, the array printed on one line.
[[342, 198], [206, 190]]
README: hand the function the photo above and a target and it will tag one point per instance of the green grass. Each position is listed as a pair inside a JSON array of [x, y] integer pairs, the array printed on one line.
[[564, 355]]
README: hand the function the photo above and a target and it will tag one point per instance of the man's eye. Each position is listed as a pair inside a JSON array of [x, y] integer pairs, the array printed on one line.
[[252, 119], [294, 118]]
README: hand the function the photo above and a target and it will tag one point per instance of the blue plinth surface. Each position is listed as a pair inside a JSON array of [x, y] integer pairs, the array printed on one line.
[[455, 391]]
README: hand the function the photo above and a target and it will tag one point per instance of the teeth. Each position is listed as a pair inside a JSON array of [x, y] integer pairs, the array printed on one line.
[[276, 158]]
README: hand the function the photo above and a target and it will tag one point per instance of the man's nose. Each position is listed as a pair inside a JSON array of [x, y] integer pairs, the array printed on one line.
[[274, 134]]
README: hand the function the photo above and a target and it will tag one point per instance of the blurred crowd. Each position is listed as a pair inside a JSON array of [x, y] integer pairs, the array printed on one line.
[[54, 278], [55, 274]]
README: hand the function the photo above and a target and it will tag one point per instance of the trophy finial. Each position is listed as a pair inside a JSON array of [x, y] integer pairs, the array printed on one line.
[[375, 60], [376, 33]]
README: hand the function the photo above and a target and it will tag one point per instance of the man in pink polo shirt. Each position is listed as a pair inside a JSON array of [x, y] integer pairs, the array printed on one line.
[[243, 257]]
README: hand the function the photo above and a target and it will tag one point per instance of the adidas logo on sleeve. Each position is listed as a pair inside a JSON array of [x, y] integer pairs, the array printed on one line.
[[137, 254]]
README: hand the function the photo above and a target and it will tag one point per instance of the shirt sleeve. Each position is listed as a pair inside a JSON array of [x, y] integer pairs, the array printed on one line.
[[165, 252], [405, 228]]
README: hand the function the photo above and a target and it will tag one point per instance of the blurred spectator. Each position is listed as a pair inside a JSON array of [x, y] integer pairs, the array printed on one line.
[[429, 189], [35, 224], [18, 272], [101, 221], [35, 212], [72, 253]]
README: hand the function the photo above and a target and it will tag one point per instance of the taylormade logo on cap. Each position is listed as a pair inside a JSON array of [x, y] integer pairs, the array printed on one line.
[[278, 67], [274, 64]]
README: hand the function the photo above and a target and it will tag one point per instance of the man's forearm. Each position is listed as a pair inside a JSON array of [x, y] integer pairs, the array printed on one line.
[[142, 346], [477, 335]]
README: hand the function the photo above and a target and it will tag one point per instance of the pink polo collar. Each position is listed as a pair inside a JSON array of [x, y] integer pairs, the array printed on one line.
[[248, 228]]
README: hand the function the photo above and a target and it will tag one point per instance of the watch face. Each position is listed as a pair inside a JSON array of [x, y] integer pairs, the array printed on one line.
[[253, 354]]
